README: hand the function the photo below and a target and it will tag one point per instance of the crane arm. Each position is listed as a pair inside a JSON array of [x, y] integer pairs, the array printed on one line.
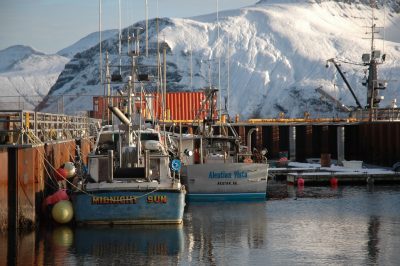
[[345, 80]]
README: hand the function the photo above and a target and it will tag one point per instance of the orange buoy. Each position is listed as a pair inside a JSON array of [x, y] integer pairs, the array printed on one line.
[[334, 182], [61, 174], [300, 182]]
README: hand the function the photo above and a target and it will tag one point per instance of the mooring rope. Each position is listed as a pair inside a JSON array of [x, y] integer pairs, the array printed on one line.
[[77, 188]]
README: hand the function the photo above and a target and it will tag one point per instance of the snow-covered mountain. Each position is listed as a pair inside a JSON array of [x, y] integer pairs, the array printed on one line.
[[85, 43], [26, 76], [276, 51]]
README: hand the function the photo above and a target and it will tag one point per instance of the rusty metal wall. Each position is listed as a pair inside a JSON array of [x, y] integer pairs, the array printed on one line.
[[3, 189], [26, 212], [271, 140], [304, 145], [373, 143], [59, 153], [31, 169], [284, 139], [86, 147], [3, 248]]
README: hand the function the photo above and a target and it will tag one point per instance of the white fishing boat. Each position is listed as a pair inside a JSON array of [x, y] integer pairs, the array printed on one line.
[[219, 169]]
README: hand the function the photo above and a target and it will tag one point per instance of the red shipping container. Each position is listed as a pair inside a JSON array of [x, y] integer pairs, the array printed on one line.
[[180, 106]]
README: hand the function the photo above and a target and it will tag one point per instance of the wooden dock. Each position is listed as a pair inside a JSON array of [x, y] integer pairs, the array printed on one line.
[[315, 174]]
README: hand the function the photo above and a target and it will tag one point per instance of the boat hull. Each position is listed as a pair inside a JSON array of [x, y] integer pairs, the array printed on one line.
[[225, 182], [129, 207]]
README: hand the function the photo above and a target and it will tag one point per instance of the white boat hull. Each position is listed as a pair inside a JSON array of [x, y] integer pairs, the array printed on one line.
[[225, 181]]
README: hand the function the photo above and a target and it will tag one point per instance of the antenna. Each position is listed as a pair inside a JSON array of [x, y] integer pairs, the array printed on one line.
[[119, 35], [147, 29], [219, 64], [100, 56], [228, 88], [108, 85], [191, 67]]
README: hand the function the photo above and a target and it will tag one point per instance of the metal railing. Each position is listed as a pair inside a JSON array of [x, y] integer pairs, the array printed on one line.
[[380, 114], [22, 127]]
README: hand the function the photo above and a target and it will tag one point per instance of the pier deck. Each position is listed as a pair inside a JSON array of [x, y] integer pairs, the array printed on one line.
[[314, 173]]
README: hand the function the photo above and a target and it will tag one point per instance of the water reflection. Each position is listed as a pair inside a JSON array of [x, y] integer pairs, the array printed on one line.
[[128, 243], [17, 248], [373, 238], [212, 226], [355, 225]]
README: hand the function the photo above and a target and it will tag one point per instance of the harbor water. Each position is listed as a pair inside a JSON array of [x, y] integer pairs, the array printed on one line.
[[347, 225]]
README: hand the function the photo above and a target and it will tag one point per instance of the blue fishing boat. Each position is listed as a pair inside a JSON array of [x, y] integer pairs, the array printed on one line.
[[130, 180], [136, 187]]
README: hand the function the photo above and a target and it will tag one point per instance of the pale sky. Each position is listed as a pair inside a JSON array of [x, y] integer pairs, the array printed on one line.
[[51, 25]]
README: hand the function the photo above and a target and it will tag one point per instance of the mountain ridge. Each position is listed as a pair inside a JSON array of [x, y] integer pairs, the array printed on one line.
[[276, 61], [26, 75]]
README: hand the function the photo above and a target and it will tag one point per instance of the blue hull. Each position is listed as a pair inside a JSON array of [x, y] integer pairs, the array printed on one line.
[[129, 207], [209, 197]]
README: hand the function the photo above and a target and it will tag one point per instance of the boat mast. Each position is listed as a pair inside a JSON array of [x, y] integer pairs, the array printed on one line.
[[228, 87], [101, 66], [100, 58], [164, 46], [191, 68], [371, 60], [147, 29], [219, 66], [158, 62], [108, 86], [119, 36]]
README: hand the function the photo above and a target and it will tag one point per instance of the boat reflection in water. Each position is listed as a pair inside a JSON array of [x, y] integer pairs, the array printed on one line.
[[239, 226], [123, 244], [128, 243]]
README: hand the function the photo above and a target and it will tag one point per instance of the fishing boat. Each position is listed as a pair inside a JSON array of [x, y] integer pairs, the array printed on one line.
[[215, 167], [130, 180], [134, 187]]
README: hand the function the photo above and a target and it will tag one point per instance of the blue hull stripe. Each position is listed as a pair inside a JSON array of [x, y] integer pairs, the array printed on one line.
[[225, 196], [150, 209]]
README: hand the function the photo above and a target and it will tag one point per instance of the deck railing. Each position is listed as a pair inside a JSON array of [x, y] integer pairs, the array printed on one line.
[[22, 127], [380, 114]]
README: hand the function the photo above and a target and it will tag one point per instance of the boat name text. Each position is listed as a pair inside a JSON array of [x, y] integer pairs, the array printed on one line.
[[156, 199], [227, 183], [222, 174], [114, 200]]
